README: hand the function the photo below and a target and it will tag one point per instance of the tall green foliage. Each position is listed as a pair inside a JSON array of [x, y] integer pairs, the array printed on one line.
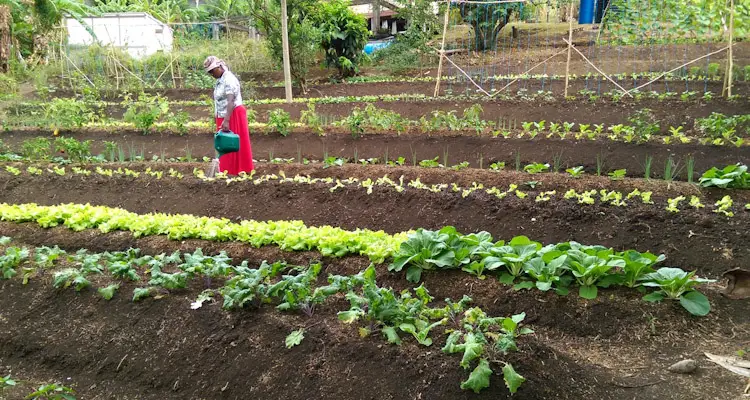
[[343, 35], [649, 21], [34, 19], [421, 26], [304, 36]]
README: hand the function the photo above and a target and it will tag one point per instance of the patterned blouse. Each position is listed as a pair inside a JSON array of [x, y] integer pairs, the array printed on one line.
[[227, 84]]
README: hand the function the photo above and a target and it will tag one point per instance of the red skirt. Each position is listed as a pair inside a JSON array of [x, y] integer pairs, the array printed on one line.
[[234, 163]]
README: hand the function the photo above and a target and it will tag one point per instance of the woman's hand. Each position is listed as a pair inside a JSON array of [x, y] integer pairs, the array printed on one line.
[[225, 125]]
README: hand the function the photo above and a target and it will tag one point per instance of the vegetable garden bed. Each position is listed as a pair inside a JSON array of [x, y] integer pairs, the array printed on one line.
[[299, 281], [713, 244], [611, 347], [556, 85], [446, 148]]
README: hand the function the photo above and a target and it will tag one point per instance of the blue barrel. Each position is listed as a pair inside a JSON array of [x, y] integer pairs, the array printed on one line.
[[371, 47], [586, 13]]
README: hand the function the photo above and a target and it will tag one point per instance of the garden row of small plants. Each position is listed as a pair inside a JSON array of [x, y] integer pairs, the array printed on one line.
[[471, 332], [733, 176], [711, 73], [149, 113], [526, 263]]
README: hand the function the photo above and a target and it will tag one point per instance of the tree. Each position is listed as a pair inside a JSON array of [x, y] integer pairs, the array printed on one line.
[[487, 20], [343, 35], [34, 21], [304, 36]]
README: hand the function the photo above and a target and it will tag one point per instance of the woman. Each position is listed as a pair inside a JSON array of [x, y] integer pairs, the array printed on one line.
[[230, 115]]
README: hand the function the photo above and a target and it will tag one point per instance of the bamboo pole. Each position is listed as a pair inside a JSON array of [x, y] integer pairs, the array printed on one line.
[[441, 53], [171, 68], [285, 49], [730, 61], [77, 69], [570, 46]]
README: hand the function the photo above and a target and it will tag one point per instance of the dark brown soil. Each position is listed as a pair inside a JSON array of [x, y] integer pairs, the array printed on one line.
[[705, 241], [616, 347]]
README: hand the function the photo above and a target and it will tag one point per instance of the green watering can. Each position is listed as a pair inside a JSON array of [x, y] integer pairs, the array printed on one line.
[[226, 142]]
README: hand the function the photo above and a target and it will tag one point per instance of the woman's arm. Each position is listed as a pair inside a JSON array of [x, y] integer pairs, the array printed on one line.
[[230, 110]]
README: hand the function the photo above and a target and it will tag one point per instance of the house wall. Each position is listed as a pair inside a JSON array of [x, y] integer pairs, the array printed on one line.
[[138, 33]]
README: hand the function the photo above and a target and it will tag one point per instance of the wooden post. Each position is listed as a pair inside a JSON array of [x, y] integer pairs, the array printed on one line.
[[570, 46], [285, 48], [730, 56], [442, 48], [5, 23]]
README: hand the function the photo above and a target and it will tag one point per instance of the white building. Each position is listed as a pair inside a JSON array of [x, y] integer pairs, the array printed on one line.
[[139, 34]]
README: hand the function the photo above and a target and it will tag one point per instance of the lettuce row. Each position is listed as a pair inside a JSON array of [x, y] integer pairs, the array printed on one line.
[[288, 235]]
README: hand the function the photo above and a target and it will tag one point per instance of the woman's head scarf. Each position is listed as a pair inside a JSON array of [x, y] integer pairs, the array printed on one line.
[[214, 62]]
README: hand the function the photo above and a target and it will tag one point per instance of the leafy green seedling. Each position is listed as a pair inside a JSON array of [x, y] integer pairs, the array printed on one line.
[[617, 174], [6, 382], [53, 391], [108, 292], [536, 168], [294, 338], [677, 284], [575, 172], [590, 268], [12, 259]]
